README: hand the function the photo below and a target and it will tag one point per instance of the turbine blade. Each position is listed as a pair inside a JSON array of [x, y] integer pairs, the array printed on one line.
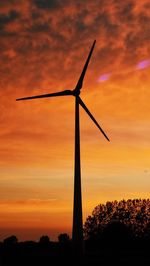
[[92, 117], [80, 81], [61, 93]]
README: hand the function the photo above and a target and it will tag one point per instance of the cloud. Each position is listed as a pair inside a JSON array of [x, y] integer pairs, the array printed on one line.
[[47, 4], [40, 27], [143, 64], [125, 11], [44, 51], [43, 42], [8, 18], [104, 21]]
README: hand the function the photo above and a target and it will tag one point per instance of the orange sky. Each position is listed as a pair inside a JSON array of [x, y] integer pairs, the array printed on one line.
[[43, 47]]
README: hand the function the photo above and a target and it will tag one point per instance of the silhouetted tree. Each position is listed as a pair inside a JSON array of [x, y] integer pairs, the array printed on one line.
[[132, 213], [63, 238], [44, 240], [11, 240], [116, 234]]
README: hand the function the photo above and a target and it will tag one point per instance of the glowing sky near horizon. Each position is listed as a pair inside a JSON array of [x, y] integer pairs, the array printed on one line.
[[44, 45]]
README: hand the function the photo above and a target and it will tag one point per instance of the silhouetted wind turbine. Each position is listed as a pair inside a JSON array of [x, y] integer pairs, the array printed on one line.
[[77, 231]]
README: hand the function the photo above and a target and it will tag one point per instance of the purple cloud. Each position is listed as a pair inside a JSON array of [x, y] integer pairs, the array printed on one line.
[[104, 77], [143, 64]]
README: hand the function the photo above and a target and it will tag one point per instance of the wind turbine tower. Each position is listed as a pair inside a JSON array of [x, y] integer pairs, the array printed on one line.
[[77, 230]]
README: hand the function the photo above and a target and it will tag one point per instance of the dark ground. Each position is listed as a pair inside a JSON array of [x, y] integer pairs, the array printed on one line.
[[32, 253]]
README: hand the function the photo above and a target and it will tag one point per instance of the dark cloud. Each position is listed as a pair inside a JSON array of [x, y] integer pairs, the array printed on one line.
[[35, 15], [104, 21], [144, 22], [47, 4], [132, 41], [126, 11], [120, 27], [139, 36], [80, 26], [8, 18], [147, 6], [7, 34], [107, 55], [40, 27], [3, 3]]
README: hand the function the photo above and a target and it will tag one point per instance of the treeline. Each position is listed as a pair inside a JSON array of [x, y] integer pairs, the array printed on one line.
[[42, 252], [44, 240], [115, 232]]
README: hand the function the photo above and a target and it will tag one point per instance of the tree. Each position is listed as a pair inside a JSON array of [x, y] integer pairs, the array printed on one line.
[[11, 240], [44, 240], [117, 234], [63, 238], [135, 214]]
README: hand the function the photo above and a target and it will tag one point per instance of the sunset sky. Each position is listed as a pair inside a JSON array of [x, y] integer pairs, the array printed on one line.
[[43, 47]]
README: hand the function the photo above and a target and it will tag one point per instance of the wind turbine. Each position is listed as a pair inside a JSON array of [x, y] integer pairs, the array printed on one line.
[[77, 230]]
